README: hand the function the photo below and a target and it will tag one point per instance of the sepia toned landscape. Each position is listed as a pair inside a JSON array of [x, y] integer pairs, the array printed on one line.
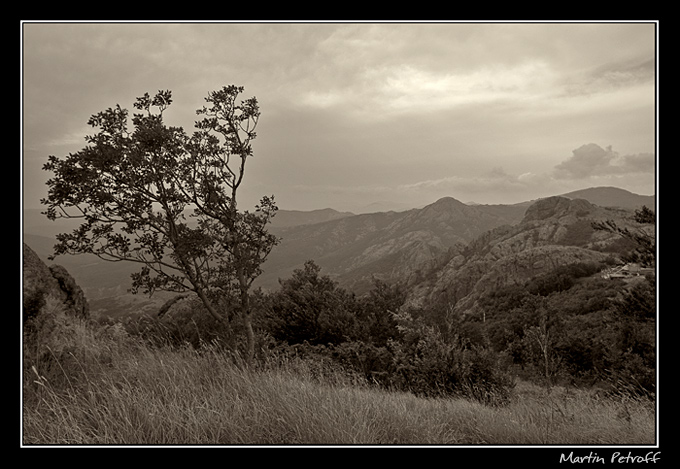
[[259, 271]]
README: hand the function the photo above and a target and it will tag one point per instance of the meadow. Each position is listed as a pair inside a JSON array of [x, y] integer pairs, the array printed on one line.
[[101, 386]]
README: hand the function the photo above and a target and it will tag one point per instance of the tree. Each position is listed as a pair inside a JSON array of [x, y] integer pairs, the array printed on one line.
[[376, 312], [310, 307], [133, 190], [542, 337]]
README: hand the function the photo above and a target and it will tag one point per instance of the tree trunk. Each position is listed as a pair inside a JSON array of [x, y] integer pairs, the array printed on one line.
[[250, 336], [247, 320]]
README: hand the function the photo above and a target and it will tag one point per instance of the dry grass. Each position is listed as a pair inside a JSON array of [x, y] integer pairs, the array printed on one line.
[[123, 393]]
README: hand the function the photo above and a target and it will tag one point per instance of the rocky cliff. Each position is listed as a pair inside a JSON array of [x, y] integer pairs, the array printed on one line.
[[41, 281]]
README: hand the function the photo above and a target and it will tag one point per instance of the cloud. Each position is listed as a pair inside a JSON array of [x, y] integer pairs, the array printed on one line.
[[391, 90], [362, 111], [484, 188], [589, 166], [592, 160]]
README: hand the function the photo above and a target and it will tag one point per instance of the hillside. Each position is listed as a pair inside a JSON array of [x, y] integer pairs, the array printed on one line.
[[555, 231], [388, 245]]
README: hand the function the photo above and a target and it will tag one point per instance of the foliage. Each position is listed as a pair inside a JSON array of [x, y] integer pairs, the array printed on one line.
[[310, 308], [104, 386], [568, 326], [430, 363], [185, 324], [376, 312], [167, 396], [561, 278], [133, 189], [33, 301], [633, 356], [377, 337], [55, 341]]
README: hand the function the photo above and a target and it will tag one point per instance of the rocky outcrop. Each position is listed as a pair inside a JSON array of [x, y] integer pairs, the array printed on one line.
[[41, 281], [482, 278], [557, 207], [73, 295], [554, 232]]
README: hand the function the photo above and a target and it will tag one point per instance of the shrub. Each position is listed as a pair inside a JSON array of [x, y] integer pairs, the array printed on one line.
[[33, 301], [310, 307], [429, 363], [375, 312], [372, 362]]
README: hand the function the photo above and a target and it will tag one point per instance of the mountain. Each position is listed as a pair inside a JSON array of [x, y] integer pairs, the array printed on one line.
[[554, 232], [445, 249], [287, 218], [612, 197], [384, 206], [387, 245]]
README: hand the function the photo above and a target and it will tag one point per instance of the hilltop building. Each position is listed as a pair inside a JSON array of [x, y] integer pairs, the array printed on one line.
[[627, 271]]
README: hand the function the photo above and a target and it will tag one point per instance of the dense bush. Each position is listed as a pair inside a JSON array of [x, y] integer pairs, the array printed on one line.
[[428, 362], [375, 313], [310, 307], [633, 355], [594, 330], [386, 344]]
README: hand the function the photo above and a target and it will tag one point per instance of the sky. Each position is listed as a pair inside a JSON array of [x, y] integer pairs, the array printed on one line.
[[369, 116]]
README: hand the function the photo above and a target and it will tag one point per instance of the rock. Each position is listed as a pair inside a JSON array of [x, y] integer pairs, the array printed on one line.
[[41, 281], [75, 298], [557, 207]]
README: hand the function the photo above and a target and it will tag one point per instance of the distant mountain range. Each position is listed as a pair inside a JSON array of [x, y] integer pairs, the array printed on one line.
[[387, 245], [612, 197], [419, 247], [287, 218], [401, 245]]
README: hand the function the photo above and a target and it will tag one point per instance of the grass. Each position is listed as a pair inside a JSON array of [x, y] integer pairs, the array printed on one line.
[[110, 389], [170, 397]]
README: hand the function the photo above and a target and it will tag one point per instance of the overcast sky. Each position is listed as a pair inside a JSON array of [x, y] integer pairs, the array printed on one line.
[[358, 113]]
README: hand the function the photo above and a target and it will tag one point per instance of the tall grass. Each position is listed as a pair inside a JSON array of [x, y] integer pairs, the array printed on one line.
[[119, 391]]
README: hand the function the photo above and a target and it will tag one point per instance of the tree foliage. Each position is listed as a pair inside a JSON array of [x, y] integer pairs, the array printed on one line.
[[310, 307], [154, 195]]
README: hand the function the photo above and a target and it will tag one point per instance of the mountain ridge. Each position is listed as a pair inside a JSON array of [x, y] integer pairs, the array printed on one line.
[[345, 248], [608, 196], [556, 231], [393, 246]]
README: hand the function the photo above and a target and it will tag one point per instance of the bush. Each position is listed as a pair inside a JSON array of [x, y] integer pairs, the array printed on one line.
[[33, 301], [310, 308], [373, 363], [429, 363], [375, 313]]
